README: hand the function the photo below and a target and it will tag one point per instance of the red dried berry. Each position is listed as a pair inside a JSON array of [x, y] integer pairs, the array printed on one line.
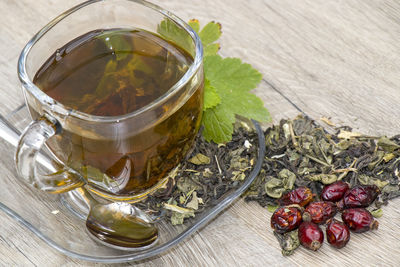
[[359, 220], [301, 196], [310, 235], [285, 219], [319, 212], [360, 196], [337, 233], [334, 192]]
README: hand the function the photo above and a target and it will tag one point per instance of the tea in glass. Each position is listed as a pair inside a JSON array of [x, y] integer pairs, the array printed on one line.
[[108, 73]]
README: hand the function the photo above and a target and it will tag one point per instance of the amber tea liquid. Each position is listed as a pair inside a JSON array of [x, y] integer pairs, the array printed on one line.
[[113, 73]]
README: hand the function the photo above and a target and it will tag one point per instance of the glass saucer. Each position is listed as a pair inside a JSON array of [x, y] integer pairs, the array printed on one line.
[[48, 218]]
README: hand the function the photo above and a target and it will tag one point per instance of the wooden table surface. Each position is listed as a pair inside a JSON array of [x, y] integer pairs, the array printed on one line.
[[326, 58]]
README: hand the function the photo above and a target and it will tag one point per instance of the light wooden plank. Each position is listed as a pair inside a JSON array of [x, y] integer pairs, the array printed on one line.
[[330, 58]]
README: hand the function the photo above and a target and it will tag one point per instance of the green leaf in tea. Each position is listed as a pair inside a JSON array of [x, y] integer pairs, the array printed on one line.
[[95, 176], [115, 80], [107, 82], [115, 42]]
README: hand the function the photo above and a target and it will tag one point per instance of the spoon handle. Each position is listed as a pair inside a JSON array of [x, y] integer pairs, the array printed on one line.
[[87, 197], [8, 132]]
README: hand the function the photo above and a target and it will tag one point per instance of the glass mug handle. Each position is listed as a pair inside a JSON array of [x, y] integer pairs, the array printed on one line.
[[29, 146]]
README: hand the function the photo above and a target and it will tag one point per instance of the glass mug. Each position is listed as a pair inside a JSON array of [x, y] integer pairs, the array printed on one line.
[[140, 147]]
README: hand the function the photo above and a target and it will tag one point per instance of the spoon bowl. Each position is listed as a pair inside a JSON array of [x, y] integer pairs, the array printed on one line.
[[119, 225]]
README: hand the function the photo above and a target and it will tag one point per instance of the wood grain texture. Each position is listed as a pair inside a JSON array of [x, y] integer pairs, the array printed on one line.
[[338, 59]]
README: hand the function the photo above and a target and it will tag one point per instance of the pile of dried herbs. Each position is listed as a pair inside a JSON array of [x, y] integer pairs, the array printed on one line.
[[301, 153], [202, 179]]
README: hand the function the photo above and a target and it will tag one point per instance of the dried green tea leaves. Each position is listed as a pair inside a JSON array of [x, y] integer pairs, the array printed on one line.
[[275, 187], [178, 213], [368, 180], [200, 159], [194, 203], [204, 177], [377, 213], [288, 241], [301, 153], [323, 178], [316, 158], [387, 145]]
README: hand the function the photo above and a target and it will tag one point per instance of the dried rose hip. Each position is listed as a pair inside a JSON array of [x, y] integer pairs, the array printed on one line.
[[301, 196], [337, 233], [359, 220], [310, 235], [334, 192], [360, 196], [285, 219], [319, 212]]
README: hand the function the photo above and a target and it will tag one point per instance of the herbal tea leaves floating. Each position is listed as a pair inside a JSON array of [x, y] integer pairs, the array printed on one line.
[[227, 84], [204, 177], [301, 154]]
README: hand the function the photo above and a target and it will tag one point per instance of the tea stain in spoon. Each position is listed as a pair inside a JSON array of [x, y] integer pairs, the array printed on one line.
[[121, 225]]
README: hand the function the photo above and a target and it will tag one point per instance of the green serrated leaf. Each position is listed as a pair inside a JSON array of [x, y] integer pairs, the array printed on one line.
[[230, 74], [211, 98], [194, 23], [218, 124], [232, 81], [172, 32], [246, 104], [211, 50], [227, 85], [210, 33]]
